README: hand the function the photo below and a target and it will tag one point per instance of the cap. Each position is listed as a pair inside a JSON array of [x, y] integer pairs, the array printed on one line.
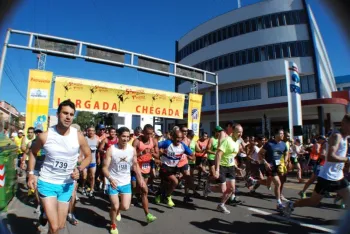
[[159, 133], [131, 131], [101, 126], [218, 129], [20, 131], [38, 130], [13, 134]]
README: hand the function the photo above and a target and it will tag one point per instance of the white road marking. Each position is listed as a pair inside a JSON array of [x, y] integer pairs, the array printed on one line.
[[289, 220]]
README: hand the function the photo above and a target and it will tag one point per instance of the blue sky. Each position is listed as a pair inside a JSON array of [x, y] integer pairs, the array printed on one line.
[[147, 27]]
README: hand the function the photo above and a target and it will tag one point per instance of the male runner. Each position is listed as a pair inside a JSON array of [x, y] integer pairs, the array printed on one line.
[[93, 143], [26, 140], [146, 148], [173, 151], [201, 156], [55, 183], [331, 177], [212, 148], [227, 132], [296, 152], [271, 155], [116, 168], [225, 166]]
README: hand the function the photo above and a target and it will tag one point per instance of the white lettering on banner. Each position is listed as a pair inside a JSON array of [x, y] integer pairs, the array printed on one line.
[[2, 176], [39, 94]]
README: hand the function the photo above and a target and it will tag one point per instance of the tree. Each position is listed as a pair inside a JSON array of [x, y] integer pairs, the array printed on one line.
[[85, 119]]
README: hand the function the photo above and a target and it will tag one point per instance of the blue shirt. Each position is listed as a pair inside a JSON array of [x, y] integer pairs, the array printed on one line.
[[172, 154], [274, 151]]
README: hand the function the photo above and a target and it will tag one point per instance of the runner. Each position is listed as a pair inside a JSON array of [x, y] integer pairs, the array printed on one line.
[[296, 153], [201, 156], [90, 171], [225, 166], [319, 151], [102, 149], [116, 167], [146, 148], [192, 162], [26, 140], [227, 132], [173, 151], [274, 151], [331, 177], [55, 183], [212, 148]]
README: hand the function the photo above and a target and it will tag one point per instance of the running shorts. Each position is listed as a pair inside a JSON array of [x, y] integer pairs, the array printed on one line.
[[63, 192], [91, 165], [294, 160], [146, 176], [185, 167], [312, 163], [200, 160], [226, 174], [168, 171], [211, 162], [133, 176], [124, 189], [324, 185]]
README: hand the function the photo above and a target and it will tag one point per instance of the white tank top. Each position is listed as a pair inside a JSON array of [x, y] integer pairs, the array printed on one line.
[[93, 143], [334, 170], [295, 150], [255, 154], [62, 154], [121, 163]]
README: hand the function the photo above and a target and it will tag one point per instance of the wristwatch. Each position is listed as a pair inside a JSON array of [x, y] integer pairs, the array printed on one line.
[[31, 172]]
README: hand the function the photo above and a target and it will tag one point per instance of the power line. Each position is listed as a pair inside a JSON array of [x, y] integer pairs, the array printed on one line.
[[20, 93], [13, 74]]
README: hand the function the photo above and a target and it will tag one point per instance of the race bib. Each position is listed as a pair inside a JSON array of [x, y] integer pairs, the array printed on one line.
[[145, 165], [277, 162], [60, 165], [171, 154], [123, 167], [172, 163], [230, 160]]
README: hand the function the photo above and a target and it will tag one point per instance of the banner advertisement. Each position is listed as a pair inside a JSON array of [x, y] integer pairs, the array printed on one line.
[[194, 113], [97, 96], [38, 99]]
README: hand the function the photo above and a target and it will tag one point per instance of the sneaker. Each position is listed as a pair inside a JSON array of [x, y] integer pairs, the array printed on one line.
[[235, 201], [206, 190], [288, 209], [269, 188], [119, 217], [342, 206], [114, 229], [283, 198], [77, 198], [337, 199], [157, 199], [302, 195], [84, 192], [150, 218], [187, 199], [280, 208], [223, 209], [180, 185], [91, 195], [170, 202]]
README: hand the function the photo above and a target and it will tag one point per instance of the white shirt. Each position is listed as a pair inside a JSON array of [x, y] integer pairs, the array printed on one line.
[[122, 160]]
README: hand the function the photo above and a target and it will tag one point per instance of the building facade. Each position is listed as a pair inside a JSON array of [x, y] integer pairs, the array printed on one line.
[[248, 47]]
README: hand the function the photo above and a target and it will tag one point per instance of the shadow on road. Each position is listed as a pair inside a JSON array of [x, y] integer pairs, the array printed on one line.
[[90, 217], [143, 223], [21, 225]]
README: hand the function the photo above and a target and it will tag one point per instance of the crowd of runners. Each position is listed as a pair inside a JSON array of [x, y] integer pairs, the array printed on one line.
[[126, 165]]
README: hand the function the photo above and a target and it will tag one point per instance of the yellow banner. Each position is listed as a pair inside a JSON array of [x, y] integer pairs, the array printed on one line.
[[89, 95], [194, 112], [38, 99]]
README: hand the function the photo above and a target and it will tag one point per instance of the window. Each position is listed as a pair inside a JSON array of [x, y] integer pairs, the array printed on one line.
[[247, 26], [277, 88], [260, 23], [270, 53], [234, 95], [219, 35], [263, 53], [232, 60], [239, 94], [221, 63], [235, 30], [292, 49], [215, 61], [245, 93], [302, 17], [251, 92], [285, 50], [237, 60], [304, 85], [210, 38], [230, 31], [210, 65], [267, 21], [212, 98], [203, 99], [250, 56], [244, 57], [223, 96], [214, 37], [283, 87], [295, 16], [271, 89], [228, 95], [281, 19], [311, 83], [256, 55], [257, 90], [274, 20], [253, 24], [289, 19], [225, 61], [307, 48], [241, 28], [307, 84], [224, 33], [278, 51], [300, 52]]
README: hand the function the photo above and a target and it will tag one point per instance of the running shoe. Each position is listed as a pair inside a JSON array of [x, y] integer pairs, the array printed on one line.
[[77, 198], [180, 185], [187, 199], [223, 209], [337, 199], [84, 192], [150, 218], [235, 201], [118, 217], [206, 190], [157, 199], [342, 206], [114, 229], [283, 198], [280, 208], [269, 188], [302, 195], [170, 202], [288, 209], [91, 195]]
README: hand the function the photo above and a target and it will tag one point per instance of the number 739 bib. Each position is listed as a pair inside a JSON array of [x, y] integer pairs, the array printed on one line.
[[60, 165]]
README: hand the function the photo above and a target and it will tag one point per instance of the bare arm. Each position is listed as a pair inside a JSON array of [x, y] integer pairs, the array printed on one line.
[[136, 169], [210, 144], [23, 144], [198, 149], [85, 150], [218, 156], [155, 152], [334, 142], [136, 144], [106, 163], [323, 151], [35, 148]]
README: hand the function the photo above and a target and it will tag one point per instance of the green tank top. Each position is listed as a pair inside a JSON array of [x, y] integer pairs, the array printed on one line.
[[193, 149], [214, 147]]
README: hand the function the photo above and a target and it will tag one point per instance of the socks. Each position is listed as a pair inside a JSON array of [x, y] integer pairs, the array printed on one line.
[[279, 201]]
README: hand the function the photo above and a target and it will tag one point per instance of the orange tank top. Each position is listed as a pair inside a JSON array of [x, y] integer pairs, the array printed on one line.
[[314, 155], [202, 145], [144, 160]]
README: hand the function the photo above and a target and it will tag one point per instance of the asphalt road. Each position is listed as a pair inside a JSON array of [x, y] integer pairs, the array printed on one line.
[[255, 215]]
